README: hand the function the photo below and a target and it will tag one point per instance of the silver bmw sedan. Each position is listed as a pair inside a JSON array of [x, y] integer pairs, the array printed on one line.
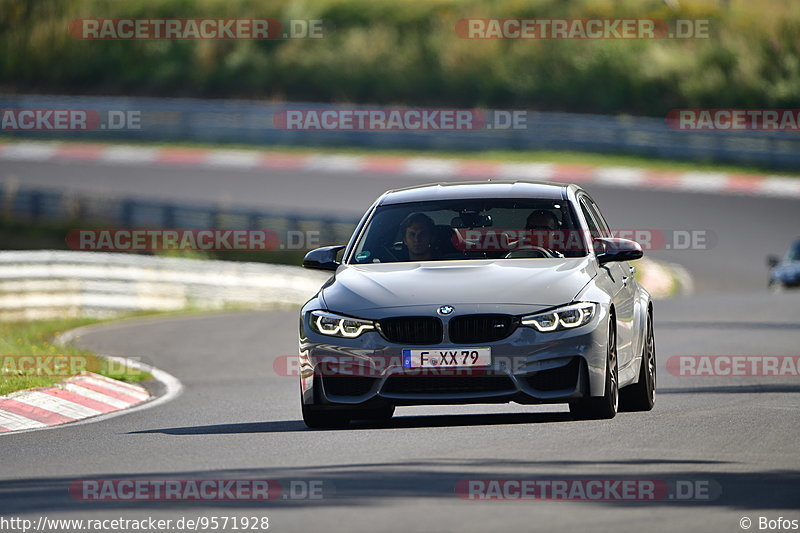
[[477, 292]]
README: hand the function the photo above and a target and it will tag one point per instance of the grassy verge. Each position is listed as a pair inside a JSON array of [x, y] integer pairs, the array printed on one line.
[[36, 339], [662, 280]]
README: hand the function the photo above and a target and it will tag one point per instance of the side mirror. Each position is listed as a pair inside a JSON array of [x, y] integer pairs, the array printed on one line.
[[323, 258], [772, 261], [613, 249]]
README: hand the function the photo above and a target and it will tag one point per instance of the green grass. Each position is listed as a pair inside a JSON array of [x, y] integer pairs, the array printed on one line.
[[676, 285], [36, 338]]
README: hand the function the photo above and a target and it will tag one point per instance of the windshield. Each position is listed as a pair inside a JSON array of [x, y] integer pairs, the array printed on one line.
[[470, 229], [793, 254]]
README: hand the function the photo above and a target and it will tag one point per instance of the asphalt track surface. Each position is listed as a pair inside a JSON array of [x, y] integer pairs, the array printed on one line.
[[238, 419]]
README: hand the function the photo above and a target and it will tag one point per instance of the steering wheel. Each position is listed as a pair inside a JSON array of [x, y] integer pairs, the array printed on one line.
[[392, 251], [533, 251]]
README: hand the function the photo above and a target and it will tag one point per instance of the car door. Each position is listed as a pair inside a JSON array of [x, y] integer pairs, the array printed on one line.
[[621, 276]]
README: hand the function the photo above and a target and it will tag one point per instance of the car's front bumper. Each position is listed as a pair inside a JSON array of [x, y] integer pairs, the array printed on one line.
[[527, 367]]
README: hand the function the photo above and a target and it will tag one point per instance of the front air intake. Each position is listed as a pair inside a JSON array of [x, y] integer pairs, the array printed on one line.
[[412, 330]]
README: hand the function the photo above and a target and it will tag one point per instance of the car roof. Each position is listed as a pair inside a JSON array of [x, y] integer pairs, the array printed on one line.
[[477, 189]]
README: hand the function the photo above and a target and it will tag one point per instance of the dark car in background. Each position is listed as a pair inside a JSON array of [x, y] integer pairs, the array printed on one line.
[[785, 272]]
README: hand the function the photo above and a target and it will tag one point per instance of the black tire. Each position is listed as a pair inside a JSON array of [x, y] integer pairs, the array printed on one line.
[[602, 407], [642, 395], [316, 418]]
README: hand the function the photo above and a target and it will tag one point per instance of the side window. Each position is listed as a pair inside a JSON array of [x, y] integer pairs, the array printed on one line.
[[594, 231], [598, 217]]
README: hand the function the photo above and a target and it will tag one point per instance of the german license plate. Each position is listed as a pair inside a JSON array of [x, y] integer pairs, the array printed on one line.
[[428, 358]]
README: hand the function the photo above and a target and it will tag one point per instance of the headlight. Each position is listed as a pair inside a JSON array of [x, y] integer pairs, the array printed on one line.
[[567, 317], [339, 326]]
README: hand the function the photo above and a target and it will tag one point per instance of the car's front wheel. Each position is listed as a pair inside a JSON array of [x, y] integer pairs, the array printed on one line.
[[602, 407]]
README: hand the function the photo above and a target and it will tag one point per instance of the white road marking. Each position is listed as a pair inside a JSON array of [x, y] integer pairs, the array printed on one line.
[[16, 422], [55, 404], [30, 151], [94, 395]]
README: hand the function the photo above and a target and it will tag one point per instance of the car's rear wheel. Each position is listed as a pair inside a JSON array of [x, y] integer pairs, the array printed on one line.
[[642, 395], [602, 407]]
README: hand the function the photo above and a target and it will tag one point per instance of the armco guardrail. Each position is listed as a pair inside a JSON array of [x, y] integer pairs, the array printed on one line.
[[48, 284], [237, 121], [43, 205]]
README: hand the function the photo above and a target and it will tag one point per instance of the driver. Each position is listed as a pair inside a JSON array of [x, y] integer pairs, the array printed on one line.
[[542, 219], [544, 226], [417, 233]]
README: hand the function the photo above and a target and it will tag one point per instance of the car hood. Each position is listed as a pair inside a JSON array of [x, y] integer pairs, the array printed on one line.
[[531, 283]]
